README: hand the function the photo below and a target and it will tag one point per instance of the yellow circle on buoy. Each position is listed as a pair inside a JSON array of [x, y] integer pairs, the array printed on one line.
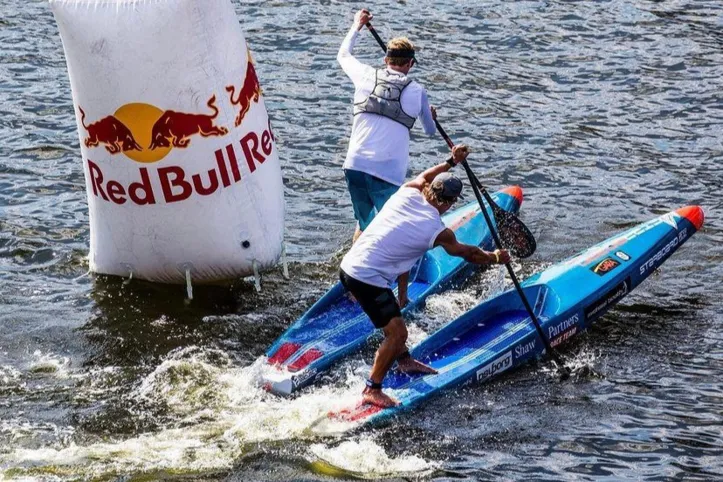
[[140, 118]]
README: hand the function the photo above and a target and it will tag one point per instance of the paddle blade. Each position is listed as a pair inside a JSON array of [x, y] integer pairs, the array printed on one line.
[[514, 235]]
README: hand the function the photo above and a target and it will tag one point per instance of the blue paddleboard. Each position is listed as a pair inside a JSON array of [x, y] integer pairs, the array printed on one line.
[[336, 326], [498, 335]]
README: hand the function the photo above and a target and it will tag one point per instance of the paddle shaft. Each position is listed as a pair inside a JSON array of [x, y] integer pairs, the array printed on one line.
[[477, 187], [377, 37]]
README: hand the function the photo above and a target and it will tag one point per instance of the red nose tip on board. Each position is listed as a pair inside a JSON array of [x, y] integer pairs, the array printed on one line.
[[694, 214], [515, 192]]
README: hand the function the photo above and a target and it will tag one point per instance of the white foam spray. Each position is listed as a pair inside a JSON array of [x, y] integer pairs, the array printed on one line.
[[222, 412]]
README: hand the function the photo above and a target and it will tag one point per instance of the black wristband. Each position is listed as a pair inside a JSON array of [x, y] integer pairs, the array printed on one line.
[[374, 385], [450, 161]]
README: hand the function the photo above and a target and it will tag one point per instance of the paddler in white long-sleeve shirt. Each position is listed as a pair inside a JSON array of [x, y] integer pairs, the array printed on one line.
[[386, 105]]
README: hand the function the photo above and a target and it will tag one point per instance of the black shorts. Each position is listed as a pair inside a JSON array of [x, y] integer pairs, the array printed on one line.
[[379, 304]]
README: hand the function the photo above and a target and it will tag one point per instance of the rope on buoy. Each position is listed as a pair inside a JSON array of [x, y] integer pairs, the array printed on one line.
[[284, 264], [257, 277], [189, 287]]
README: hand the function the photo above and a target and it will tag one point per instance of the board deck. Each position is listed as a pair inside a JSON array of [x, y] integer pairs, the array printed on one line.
[[498, 335]]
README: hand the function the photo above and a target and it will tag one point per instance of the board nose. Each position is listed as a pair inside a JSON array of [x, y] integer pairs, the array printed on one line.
[[515, 192], [694, 214]]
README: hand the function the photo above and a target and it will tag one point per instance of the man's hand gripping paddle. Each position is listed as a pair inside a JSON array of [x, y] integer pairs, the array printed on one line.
[[518, 238]]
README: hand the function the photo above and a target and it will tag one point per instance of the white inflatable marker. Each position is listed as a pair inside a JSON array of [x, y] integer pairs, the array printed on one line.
[[181, 165]]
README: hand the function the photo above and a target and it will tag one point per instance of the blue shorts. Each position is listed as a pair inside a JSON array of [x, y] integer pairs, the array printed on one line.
[[368, 195]]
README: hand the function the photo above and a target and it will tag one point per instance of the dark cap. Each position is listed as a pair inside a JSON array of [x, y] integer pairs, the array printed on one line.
[[448, 186], [401, 53]]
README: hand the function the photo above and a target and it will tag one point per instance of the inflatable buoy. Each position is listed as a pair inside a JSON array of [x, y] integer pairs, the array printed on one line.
[[181, 166]]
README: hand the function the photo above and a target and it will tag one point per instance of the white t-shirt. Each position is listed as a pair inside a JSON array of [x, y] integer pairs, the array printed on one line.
[[380, 146], [405, 228]]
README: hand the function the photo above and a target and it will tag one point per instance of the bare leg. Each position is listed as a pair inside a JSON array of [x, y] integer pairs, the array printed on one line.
[[395, 339]]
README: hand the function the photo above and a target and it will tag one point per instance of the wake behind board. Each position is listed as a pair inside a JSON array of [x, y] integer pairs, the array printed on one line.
[[498, 335], [336, 326]]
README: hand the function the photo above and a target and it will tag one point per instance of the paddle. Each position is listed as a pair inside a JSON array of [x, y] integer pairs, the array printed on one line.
[[522, 234], [515, 236]]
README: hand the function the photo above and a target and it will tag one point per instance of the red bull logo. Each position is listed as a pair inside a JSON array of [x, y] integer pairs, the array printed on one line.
[[146, 134], [176, 184], [250, 91]]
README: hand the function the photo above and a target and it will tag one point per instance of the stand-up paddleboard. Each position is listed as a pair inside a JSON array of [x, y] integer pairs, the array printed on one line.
[[498, 334], [336, 326]]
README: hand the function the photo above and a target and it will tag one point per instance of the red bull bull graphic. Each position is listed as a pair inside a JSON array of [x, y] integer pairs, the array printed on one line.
[[110, 131], [250, 91], [137, 124], [175, 128]]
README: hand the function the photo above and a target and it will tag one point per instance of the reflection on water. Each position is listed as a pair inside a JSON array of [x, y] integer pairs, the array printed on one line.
[[606, 113]]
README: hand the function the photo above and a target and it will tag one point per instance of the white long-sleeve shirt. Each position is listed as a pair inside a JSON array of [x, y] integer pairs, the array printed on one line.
[[380, 146]]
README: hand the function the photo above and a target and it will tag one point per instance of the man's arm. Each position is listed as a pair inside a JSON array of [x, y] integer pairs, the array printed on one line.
[[471, 254], [427, 116], [459, 154], [353, 68]]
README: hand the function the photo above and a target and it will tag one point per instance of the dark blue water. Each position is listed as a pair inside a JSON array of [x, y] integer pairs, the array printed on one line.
[[607, 113]]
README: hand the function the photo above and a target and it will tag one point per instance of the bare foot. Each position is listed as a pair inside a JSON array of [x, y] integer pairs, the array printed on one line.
[[410, 365], [375, 396]]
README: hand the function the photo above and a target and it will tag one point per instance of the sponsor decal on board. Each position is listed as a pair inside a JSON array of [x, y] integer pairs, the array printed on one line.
[[663, 252], [599, 307], [494, 367], [564, 330], [524, 348], [589, 255], [303, 377], [565, 336], [622, 256], [605, 266]]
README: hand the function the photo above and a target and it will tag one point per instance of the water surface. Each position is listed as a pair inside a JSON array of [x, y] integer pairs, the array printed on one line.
[[607, 113]]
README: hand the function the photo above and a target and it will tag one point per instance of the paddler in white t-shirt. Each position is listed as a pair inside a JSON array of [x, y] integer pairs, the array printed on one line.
[[386, 105], [409, 224]]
